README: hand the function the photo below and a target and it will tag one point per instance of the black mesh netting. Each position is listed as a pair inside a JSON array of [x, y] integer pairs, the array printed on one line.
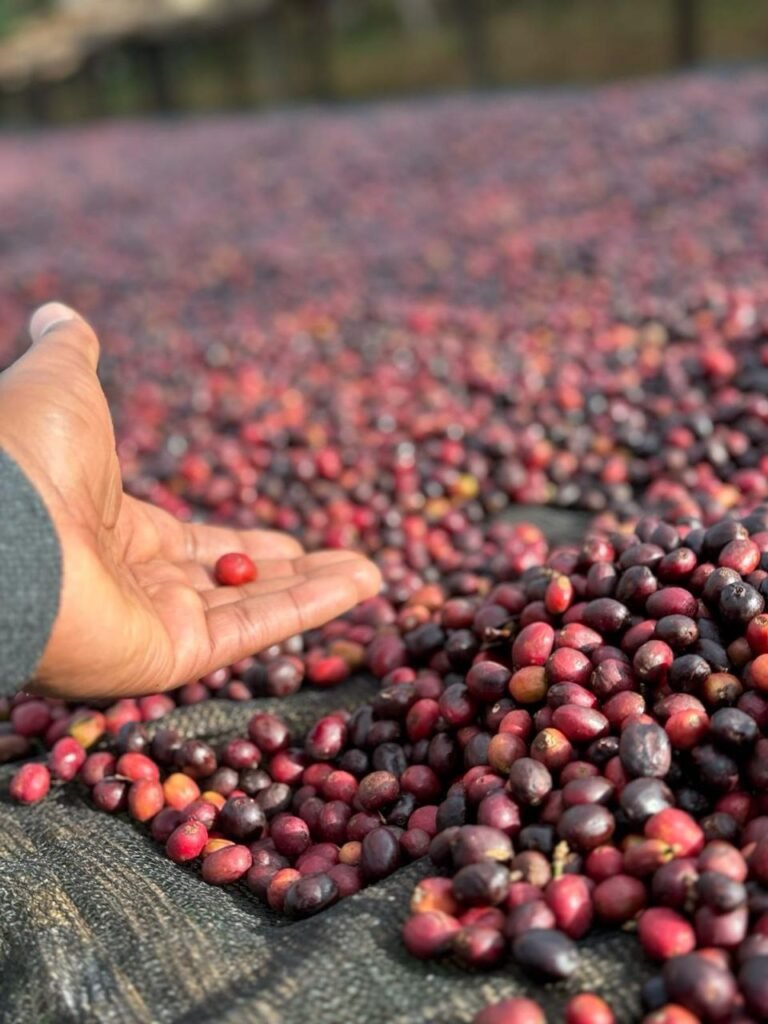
[[98, 926]]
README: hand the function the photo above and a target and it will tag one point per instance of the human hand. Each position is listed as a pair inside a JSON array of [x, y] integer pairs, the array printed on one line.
[[139, 609]]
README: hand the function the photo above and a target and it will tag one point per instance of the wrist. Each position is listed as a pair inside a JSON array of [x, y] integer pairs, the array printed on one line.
[[30, 574]]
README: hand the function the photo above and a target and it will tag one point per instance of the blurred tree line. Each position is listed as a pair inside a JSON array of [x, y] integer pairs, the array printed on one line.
[[278, 51]]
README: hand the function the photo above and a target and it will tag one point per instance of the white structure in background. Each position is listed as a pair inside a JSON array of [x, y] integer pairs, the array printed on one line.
[[48, 47]]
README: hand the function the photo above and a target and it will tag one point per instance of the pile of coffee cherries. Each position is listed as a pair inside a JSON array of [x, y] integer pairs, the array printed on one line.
[[587, 745], [337, 357]]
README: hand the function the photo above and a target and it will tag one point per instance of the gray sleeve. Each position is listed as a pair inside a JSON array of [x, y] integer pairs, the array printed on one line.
[[30, 576]]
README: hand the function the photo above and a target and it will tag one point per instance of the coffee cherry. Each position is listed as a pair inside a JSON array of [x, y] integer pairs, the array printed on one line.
[[111, 794], [677, 829], [31, 718], [434, 894], [226, 864], [478, 946], [664, 933], [377, 790], [268, 733], [588, 1008], [164, 823], [701, 986], [66, 758], [430, 934], [145, 799], [483, 884], [671, 1013], [241, 818], [309, 895], [753, 985], [569, 897], [645, 750], [136, 767], [586, 826], [546, 952], [347, 878], [380, 854], [472, 844], [180, 790], [529, 781], [619, 899], [96, 766], [511, 1011], [30, 783], [234, 570], [187, 841], [290, 835]]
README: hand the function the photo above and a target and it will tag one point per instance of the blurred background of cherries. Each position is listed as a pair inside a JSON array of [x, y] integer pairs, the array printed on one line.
[[330, 322]]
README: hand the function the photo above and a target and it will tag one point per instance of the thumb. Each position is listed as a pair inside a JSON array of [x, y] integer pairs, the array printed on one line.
[[55, 326]]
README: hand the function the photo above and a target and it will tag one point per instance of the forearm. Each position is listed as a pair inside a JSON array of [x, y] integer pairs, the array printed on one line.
[[30, 576]]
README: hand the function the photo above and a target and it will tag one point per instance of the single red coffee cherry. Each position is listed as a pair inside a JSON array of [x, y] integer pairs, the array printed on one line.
[[663, 933], [226, 864], [30, 783], [66, 758], [430, 934], [137, 767], [677, 829], [511, 1011], [187, 841], [587, 1008], [234, 569]]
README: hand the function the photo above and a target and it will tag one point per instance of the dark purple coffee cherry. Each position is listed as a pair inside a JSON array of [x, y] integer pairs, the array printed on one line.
[[546, 952], [645, 750]]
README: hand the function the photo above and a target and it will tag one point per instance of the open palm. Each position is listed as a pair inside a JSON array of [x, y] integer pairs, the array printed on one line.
[[139, 608]]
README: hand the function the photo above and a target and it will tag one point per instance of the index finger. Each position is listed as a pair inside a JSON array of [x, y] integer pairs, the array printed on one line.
[[206, 544], [164, 536]]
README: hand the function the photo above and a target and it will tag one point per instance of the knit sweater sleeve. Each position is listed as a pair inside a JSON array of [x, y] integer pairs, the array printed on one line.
[[30, 576]]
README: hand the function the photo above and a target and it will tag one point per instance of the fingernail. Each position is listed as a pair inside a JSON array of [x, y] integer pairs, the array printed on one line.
[[48, 316]]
